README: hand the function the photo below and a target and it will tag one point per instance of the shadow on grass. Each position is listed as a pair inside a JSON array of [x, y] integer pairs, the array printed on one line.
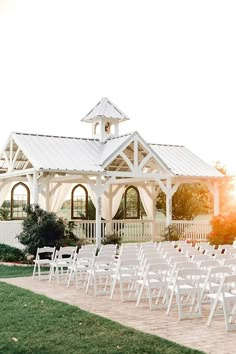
[[33, 323]]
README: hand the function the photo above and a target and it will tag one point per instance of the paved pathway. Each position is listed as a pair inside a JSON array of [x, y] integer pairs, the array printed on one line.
[[191, 333]]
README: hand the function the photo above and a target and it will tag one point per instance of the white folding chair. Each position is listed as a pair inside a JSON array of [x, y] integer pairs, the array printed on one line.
[[212, 280], [62, 260], [99, 274], [155, 282], [187, 293], [44, 257], [126, 274], [80, 266], [226, 297]]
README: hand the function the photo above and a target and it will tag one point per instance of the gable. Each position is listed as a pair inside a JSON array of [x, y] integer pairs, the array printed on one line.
[[133, 155], [13, 158]]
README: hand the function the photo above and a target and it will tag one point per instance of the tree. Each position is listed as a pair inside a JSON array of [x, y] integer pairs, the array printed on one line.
[[226, 188], [4, 214], [223, 229], [189, 201], [42, 228]]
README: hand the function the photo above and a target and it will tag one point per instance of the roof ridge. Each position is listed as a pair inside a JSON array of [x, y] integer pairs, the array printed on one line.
[[119, 136], [55, 136], [175, 145]]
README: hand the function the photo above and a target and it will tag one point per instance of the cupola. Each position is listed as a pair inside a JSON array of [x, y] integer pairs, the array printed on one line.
[[105, 118]]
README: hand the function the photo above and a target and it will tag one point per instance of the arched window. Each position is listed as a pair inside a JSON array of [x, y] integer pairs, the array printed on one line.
[[96, 126], [20, 197], [107, 127], [79, 202], [132, 203]]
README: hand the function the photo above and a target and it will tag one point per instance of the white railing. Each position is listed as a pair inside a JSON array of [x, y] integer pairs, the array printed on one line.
[[129, 230], [193, 230], [143, 230], [133, 230], [8, 232]]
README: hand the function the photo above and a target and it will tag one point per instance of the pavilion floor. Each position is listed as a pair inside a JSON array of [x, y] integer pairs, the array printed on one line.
[[191, 333]]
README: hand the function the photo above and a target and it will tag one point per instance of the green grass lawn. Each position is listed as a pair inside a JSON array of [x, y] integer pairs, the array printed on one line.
[[31, 323], [15, 271]]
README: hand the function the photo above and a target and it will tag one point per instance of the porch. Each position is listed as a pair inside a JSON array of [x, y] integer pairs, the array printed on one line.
[[129, 230]]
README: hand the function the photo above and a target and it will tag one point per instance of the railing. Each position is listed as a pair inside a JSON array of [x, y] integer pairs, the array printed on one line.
[[8, 232], [193, 230], [143, 230], [129, 230]]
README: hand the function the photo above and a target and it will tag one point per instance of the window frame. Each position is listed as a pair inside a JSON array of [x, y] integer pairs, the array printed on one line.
[[12, 199], [138, 203], [72, 203]]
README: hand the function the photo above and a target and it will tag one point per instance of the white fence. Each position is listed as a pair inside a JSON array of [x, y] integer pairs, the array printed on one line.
[[193, 230], [129, 230], [143, 230], [8, 232]]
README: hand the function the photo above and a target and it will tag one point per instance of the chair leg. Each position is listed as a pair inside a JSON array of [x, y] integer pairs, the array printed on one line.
[[140, 294], [35, 265], [113, 286], [213, 308], [170, 302]]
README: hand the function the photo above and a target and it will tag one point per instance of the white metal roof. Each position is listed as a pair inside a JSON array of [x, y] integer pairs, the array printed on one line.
[[183, 162], [106, 109], [89, 155], [60, 153]]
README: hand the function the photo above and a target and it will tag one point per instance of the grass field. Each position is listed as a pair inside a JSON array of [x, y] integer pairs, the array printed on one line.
[[31, 323], [15, 271]]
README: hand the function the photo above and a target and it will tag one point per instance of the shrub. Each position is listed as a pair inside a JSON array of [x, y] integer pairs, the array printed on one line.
[[83, 242], [42, 228], [112, 239], [171, 233], [11, 254], [4, 214], [223, 229]]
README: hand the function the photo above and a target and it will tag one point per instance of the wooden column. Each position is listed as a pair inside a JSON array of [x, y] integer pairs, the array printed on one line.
[[154, 225], [216, 195], [35, 188], [214, 189], [109, 225], [168, 202], [98, 211]]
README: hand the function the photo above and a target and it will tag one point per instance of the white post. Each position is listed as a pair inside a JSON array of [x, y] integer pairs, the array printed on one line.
[[35, 188], [168, 202], [216, 195], [98, 211], [214, 189], [153, 212], [109, 225], [47, 198]]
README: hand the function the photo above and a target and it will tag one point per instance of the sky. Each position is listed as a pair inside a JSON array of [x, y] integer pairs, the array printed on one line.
[[170, 66]]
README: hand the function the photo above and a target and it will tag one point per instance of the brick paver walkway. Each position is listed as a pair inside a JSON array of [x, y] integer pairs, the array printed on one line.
[[191, 333]]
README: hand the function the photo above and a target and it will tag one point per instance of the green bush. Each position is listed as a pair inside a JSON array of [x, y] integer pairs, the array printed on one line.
[[223, 229], [171, 233], [42, 228], [112, 239], [11, 254], [4, 214]]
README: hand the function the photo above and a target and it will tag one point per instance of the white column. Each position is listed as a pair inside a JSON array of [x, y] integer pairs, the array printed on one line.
[[109, 225], [216, 195], [35, 188], [98, 211], [47, 197], [168, 202], [214, 189], [154, 225]]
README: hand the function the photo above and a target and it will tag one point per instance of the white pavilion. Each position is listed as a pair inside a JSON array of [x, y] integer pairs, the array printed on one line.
[[103, 167]]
